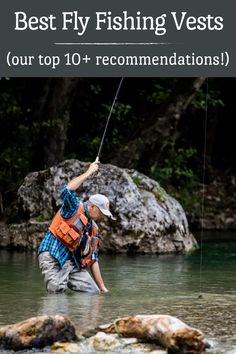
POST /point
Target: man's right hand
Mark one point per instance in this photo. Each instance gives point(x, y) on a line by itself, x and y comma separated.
point(93, 168)
point(77, 181)
point(104, 290)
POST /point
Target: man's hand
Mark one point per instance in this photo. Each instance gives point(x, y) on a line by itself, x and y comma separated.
point(77, 181)
point(93, 168)
point(95, 270)
point(104, 290)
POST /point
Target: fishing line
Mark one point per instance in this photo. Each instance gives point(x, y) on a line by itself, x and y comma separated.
point(108, 120)
point(203, 184)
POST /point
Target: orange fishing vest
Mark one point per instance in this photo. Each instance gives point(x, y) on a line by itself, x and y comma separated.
point(69, 232)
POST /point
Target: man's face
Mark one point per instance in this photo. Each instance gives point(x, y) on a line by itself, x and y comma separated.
point(95, 213)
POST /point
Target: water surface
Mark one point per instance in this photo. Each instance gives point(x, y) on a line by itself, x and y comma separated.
point(200, 289)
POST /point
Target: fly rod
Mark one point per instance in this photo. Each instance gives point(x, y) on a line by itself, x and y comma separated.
point(108, 120)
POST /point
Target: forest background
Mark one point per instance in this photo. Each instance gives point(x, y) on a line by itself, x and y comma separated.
point(166, 128)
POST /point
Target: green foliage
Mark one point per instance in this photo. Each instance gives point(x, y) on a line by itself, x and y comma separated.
point(138, 106)
point(189, 199)
point(176, 169)
point(13, 168)
point(15, 145)
point(96, 89)
point(180, 177)
point(211, 99)
point(160, 194)
point(159, 94)
point(137, 180)
point(45, 217)
point(120, 110)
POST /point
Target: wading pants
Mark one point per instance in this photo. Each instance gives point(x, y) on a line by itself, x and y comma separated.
point(59, 279)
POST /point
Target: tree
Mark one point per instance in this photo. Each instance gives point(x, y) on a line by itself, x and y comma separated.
point(53, 116)
point(160, 128)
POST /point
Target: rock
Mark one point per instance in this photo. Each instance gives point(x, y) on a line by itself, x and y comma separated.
point(146, 348)
point(168, 331)
point(59, 347)
point(37, 332)
point(134, 334)
point(148, 220)
point(103, 341)
point(24, 235)
point(107, 343)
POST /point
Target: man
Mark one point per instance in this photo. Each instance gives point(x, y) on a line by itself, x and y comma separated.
point(72, 242)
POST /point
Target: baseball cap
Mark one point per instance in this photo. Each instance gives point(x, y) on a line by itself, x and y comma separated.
point(102, 202)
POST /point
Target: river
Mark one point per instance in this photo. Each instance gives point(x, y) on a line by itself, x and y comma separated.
point(199, 288)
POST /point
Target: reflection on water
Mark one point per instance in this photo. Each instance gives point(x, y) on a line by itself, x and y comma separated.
point(141, 284)
point(85, 310)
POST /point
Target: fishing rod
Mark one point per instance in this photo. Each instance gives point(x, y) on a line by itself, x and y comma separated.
point(203, 184)
point(108, 120)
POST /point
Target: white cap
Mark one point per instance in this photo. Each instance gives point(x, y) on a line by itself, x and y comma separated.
point(100, 201)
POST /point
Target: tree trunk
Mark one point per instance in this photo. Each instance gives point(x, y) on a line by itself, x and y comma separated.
point(160, 129)
point(54, 117)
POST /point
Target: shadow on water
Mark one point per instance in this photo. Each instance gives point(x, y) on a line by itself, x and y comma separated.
point(167, 284)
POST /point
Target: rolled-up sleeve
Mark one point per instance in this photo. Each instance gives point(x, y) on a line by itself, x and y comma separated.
point(70, 202)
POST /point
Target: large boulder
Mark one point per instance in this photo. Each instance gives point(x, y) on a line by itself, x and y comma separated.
point(37, 332)
point(148, 220)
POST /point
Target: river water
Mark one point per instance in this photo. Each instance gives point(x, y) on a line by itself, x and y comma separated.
point(199, 289)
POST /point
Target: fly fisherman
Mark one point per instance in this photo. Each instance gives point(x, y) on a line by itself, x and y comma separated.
point(72, 242)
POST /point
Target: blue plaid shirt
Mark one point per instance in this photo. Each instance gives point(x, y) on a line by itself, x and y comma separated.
point(50, 243)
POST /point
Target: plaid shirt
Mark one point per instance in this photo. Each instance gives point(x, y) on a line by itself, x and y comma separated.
point(51, 244)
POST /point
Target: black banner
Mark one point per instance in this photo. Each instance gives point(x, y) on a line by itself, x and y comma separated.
point(107, 38)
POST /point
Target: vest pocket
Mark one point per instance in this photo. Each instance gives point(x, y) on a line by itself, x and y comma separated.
point(68, 236)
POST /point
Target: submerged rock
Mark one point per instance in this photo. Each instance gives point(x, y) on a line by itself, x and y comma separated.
point(107, 343)
point(37, 332)
point(103, 341)
point(67, 347)
point(148, 220)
